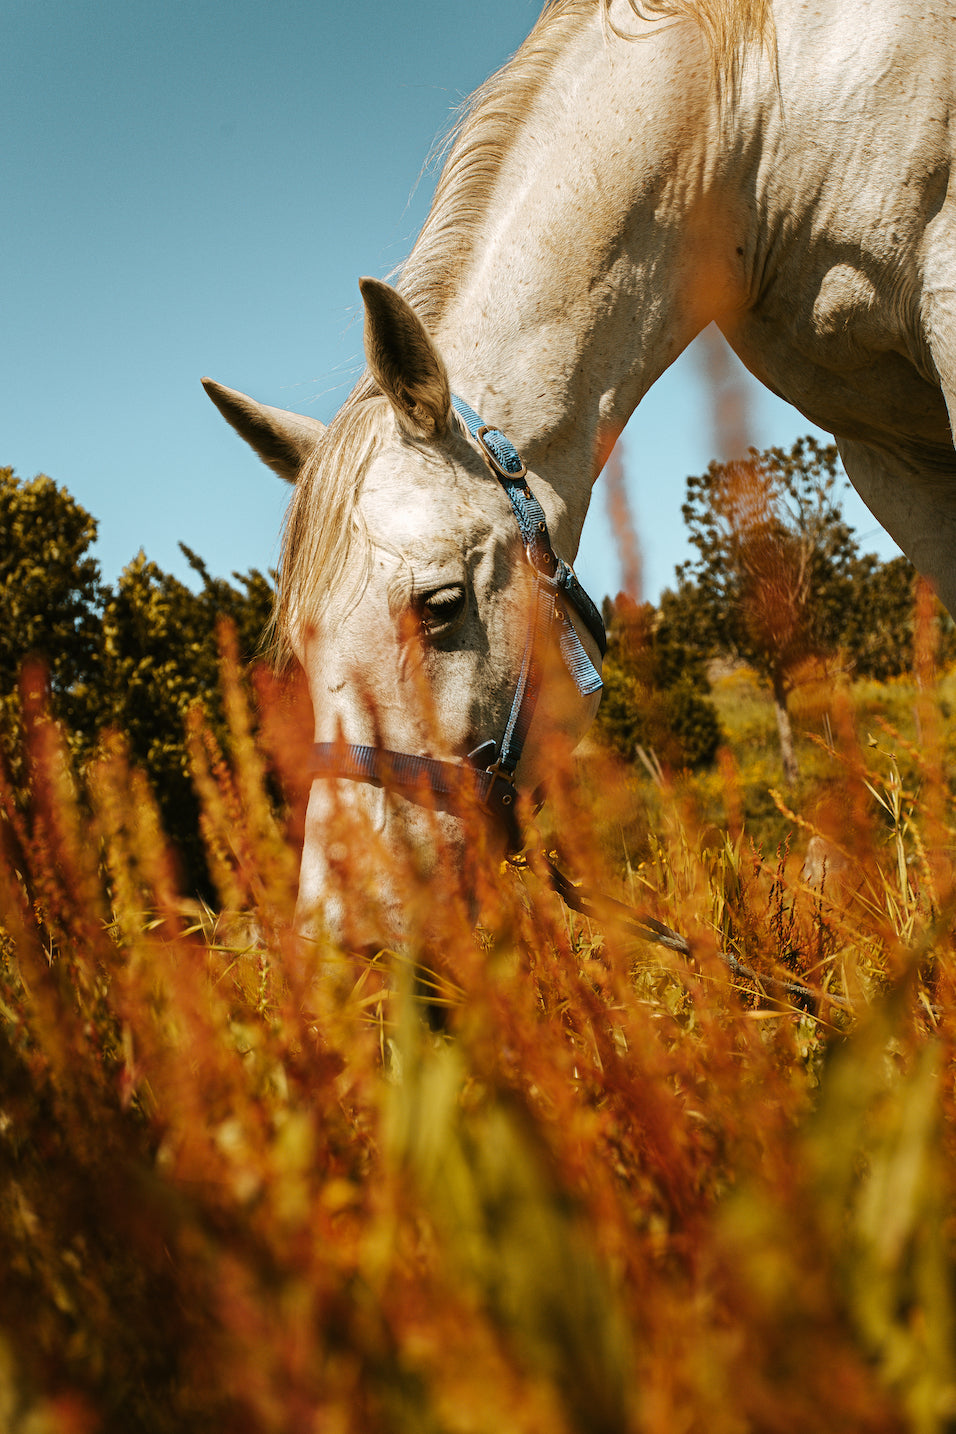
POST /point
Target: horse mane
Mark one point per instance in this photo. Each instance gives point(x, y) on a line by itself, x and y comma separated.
point(485, 128)
point(322, 526)
point(729, 27)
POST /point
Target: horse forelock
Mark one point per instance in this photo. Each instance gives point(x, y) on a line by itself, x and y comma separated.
point(325, 546)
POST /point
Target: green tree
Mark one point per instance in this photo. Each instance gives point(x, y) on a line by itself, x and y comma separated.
point(878, 636)
point(134, 657)
point(160, 655)
point(655, 686)
point(774, 574)
point(51, 599)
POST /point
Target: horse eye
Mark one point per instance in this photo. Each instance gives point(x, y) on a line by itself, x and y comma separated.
point(440, 609)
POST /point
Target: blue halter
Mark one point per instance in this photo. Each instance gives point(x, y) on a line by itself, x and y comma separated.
point(488, 774)
point(505, 463)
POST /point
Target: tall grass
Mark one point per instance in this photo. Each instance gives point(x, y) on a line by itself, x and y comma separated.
point(534, 1175)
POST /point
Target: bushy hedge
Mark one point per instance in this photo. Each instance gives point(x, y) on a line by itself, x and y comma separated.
point(655, 688)
point(133, 657)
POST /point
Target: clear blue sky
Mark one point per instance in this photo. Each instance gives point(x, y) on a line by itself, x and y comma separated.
point(193, 187)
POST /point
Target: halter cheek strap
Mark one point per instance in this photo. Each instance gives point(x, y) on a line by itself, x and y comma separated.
point(504, 461)
point(487, 776)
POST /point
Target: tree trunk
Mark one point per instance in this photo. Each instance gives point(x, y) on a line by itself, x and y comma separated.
point(789, 757)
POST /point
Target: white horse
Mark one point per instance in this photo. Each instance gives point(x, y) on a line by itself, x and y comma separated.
point(636, 171)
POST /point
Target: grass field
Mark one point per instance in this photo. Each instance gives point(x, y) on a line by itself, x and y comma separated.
point(550, 1175)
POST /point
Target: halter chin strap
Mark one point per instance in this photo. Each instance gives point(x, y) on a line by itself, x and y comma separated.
point(487, 776)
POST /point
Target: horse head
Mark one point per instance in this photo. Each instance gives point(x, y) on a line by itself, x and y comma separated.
point(419, 592)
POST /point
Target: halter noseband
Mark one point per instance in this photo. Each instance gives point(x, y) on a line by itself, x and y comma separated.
point(486, 777)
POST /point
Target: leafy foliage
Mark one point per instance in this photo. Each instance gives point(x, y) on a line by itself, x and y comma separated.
point(160, 656)
point(654, 687)
point(774, 566)
point(51, 596)
point(877, 638)
point(779, 580)
point(133, 658)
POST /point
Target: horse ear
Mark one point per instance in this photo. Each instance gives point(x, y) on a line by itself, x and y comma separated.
point(283, 440)
point(404, 362)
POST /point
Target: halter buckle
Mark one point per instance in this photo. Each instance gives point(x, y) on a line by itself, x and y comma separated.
point(522, 472)
point(501, 798)
point(485, 760)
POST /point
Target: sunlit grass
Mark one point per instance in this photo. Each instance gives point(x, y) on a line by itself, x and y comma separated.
point(546, 1174)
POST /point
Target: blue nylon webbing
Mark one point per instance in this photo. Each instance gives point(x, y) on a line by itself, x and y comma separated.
point(534, 534)
point(553, 579)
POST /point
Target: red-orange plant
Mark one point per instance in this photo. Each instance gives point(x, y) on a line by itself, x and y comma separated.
point(536, 1175)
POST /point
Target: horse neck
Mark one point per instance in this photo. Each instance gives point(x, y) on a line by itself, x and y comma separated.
point(602, 252)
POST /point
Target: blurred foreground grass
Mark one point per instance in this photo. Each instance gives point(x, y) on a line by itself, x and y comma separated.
point(544, 1176)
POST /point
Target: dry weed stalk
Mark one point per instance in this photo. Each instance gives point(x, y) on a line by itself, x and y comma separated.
point(538, 1175)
